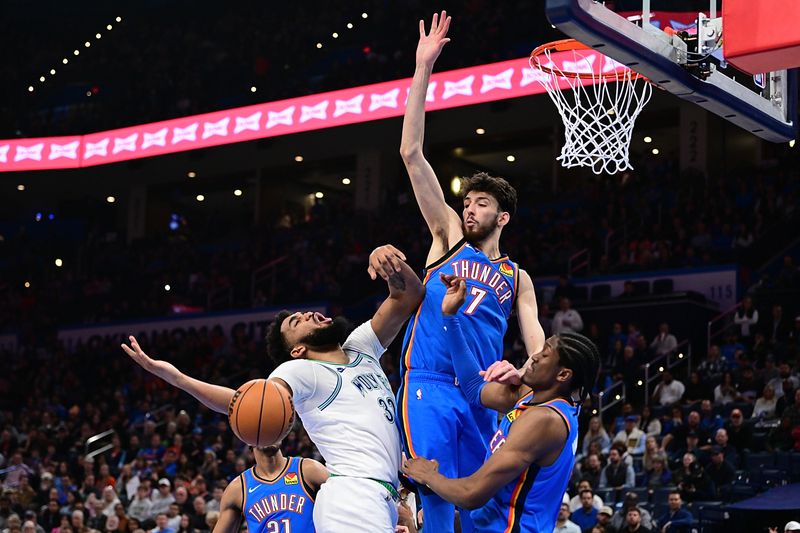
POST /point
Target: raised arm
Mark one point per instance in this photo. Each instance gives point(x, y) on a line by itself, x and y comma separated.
point(443, 222)
point(528, 315)
point(230, 507)
point(535, 437)
point(215, 397)
point(314, 473)
point(498, 396)
point(405, 292)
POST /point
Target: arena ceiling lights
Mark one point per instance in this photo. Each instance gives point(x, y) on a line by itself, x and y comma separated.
point(455, 88)
point(76, 52)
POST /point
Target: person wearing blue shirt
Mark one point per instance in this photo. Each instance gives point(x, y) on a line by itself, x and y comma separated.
point(586, 515)
point(676, 517)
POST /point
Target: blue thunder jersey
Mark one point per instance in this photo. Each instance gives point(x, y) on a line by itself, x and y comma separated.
point(530, 503)
point(282, 505)
point(491, 290)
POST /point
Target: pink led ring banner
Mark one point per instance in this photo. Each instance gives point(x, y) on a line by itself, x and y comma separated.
point(455, 88)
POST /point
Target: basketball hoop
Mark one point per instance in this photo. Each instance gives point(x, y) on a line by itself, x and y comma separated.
point(606, 97)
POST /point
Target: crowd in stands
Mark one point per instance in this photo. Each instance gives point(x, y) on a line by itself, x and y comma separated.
point(104, 278)
point(729, 428)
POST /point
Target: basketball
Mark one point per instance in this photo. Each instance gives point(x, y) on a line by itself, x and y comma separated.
point(261, 413)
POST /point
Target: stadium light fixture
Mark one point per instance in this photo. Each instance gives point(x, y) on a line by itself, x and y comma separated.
point(510, 158)
point(27, 284)
point(319, 45)
point(87, 44)
point(110, 199)
point(480, 131)
point(20, 187)
point(200, 197)
point(76, 52)
point(109, 27)
point(364, 15)
point(349, 25)
point(30, 88)
point(41, 78)
point(648, 139)
point(319, 194)
point(455, 185)
point(52, 72)
point(65, 61)
point(335, 35)
point(167, 287)
point(97, 36)
point(298, 158)
point(345, 181)
point(59, 263)
point(191, 174)
point(118, 19)
point(237, 192)
point(655, 151)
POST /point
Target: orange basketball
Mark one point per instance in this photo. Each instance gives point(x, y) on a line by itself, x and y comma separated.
point(261, 413)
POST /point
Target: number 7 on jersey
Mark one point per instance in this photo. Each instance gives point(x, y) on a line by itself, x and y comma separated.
point(479, 295)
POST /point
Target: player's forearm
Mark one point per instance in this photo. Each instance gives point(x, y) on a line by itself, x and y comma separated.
point(461, 492)
point(465, 362)
point(406, 287)
point(215, 397)
point(414, 118)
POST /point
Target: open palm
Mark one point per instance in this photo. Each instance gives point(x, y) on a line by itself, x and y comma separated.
point(430, 45)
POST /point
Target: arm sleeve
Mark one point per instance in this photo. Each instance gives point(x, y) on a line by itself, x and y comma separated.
point(300, 376)
point(640, 446)
point(364, 340)
point(630, 477)
point(465, 362)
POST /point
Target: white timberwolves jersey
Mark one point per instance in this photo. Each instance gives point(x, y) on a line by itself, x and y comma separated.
point(348, 410)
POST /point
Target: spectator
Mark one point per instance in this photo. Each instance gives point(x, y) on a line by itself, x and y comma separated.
point(112, 524)
point(740, 434)
point(679, 433)
point(566, 319)
point(633, 522)
point(109, 501)
point(648, 423)
point(765, 406)
point(792, 412)
point(575, 502)
point(720, 472)
point(213, 503)
point(713, 366)
point(728, 451)
point(182, 499)
point(665, 342)
point(777, 327)
point(211, 520)
point(710, 422)
point(161, 524)
point(632, 437)
point(675, 517)
point(173, 517)
point(617, 475)
point(691, 479)
point(785, 375)
point(50, 516)
point(162, 497)
point(746, 318)
point(596, 433)
point(585, 516)
point(628, 290)
point(589, 470)
point(565, 289)
point(604, 518)
point(651, 453)
point(630, 501)
point(198, 516)
point(658, 475)
point(563, 523)
point(725, 392)
point(617, 335)
point(633, 335)
point(669, 391)
point(696, 389)
point(141, 508)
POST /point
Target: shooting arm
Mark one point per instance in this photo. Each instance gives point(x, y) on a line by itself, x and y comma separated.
point(528, 315)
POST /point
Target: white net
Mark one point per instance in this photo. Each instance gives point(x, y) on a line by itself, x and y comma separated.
point(598, 113)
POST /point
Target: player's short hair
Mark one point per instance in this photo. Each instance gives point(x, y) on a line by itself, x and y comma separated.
point(579, 354)
point(500, 189)
point(277, 348)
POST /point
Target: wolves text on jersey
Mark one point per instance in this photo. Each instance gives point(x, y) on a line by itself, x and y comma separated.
point(370, 381)
point(485, 274)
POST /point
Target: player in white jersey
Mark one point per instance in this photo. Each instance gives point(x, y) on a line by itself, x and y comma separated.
point(341, 395)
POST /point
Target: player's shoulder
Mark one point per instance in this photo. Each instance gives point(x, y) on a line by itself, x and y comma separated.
point(364, 340)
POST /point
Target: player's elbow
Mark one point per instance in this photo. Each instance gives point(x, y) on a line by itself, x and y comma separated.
point(473, 500)
point(409, 151)
point(413, 295)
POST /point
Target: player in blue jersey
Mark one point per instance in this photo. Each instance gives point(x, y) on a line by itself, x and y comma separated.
point(274, 496)
point(435, 418)
point(520, 486)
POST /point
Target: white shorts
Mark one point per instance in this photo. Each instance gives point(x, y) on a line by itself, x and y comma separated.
point(345, 504)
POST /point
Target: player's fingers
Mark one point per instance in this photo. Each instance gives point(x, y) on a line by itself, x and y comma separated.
point(443, 42)
point(446, 25)
point(371, 272)
point(128, 350)
point(443, 22)
point(396, 252)
point(435, 23)
point(421, 28)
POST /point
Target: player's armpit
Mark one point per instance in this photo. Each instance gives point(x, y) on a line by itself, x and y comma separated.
point(528, 315)
point(314, 473)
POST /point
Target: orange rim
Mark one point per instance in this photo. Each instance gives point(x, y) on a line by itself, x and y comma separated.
point(566, 45)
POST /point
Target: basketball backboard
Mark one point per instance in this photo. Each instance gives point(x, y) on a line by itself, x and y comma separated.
point(687, 61)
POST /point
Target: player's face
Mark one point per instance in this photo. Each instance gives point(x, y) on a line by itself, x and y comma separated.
point(300, 325)
point(541, 368)
point(481, 215)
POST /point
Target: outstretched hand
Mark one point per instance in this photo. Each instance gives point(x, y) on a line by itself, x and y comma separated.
point(430, 45)
point(162, 369)
point(456, 294)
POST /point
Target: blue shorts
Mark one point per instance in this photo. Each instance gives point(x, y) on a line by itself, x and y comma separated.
point(437, 422)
